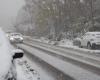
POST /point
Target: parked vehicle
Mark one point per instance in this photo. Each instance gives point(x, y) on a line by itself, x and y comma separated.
point(91, 40)
point(7, 58)
point(16, 37)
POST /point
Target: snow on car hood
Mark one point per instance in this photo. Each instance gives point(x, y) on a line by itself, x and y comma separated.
point(5, 54)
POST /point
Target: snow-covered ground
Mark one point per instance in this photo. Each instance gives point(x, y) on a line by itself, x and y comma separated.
point(66, 43)
point(45, 72)
point(25, 72)
point(69, 44)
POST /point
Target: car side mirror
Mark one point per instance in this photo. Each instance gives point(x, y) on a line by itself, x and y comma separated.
point(18, 53)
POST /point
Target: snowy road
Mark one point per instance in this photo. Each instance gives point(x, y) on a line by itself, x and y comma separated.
point(85, 60)
point(51, 62)
point(68, 68)
point(45, 71)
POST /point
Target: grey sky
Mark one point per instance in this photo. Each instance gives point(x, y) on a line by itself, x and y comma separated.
point(9, 10)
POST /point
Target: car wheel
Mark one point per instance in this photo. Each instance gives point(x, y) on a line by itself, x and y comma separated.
point(89, 46)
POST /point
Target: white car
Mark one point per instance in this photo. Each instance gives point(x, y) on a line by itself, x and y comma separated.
point(8, 55)
point(91, 40)
point(16, 37)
